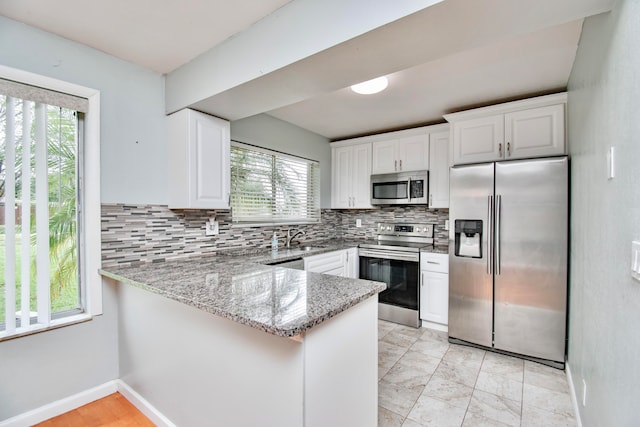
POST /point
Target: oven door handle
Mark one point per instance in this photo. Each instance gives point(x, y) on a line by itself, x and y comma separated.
point(386, 255)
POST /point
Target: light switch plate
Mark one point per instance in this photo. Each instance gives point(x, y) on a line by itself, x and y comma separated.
point(358, 222)
point(611, 163)
point(635, 260)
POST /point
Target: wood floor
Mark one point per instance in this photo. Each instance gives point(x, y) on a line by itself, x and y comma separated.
point(113, 411)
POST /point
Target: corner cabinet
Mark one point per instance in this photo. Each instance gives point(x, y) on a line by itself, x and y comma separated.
point(198, 171)
point(351, 176)
point(343, 263)
point(434, 290)
point(515, 130)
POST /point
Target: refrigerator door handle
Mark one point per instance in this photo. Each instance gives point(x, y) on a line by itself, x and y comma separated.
point(490, 237)
point(498, 226)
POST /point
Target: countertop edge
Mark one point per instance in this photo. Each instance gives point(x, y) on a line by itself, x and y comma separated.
point(281, 332)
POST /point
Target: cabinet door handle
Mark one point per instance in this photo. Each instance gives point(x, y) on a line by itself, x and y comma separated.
point(508, 149)
point(433, 262)
point(395, 165)
point(500, 149)
point(400, 164)
point(421, 279)
point(430, 199)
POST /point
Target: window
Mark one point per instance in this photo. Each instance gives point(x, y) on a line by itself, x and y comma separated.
point(270, 187)
point(42, 211)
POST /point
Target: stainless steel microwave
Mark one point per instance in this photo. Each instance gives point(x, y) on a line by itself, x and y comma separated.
point(404, 188)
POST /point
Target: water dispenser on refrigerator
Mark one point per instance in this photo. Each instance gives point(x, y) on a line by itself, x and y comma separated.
point(468, 238)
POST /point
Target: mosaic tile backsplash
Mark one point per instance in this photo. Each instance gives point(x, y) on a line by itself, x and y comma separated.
point(153, 233)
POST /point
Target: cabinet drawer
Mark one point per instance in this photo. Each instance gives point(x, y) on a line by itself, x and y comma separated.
point(438, 263)
point(325, 262)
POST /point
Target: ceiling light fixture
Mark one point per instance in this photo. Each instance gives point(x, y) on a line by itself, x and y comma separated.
point(371, 86)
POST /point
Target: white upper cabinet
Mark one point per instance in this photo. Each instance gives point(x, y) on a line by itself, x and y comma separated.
point(478, 140)
point(353, 161)
point(515, 130)
point(401, 154)
point(351, 176)
point(439, 170)
point(385, 156)
point(535, 132)
point(198, 170)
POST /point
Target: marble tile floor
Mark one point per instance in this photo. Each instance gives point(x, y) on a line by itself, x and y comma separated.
point(425, 381)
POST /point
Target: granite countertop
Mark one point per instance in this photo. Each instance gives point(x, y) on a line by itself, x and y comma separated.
point(436, 249)
point(240, 287)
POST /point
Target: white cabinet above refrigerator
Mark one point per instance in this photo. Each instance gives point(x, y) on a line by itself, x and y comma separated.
point(515, 130)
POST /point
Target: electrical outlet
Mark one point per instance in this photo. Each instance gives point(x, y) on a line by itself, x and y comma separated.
point(358, 222)
point(584, 393)
point(446, 224)
point(211, 227)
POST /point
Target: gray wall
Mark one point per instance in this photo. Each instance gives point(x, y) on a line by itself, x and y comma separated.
point(268, 132)
point(45, 367)
point(604, 106)
point(133, 128)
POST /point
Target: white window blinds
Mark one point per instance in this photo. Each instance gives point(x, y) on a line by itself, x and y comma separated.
point(271, 187)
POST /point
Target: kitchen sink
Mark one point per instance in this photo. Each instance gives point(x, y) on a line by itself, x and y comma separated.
point(307, 248)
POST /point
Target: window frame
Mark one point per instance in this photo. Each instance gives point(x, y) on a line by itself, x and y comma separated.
point(89, 201)
point(292, 221)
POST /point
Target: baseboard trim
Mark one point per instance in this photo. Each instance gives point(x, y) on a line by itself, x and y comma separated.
point(574, 396)
point(70, 403)
point(61, 406)
point(436, 326)
point(143, 405)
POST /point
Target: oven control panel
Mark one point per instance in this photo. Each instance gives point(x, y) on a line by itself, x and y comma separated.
point(405, 229)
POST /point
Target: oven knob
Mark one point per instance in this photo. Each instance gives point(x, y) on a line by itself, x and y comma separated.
point(418, 229)
point(388, 228)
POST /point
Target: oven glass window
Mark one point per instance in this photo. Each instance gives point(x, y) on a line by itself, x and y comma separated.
point(401, 277)
point(390, 190)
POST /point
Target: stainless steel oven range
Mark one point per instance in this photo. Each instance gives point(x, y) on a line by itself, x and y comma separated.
point(394, 258)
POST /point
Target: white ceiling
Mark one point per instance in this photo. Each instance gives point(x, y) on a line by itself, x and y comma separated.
point(157, 34)
point(444, 59)
point(534, 63)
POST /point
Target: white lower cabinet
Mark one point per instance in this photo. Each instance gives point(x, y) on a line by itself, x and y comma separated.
point(353, 263)
point(342, 263)
point(434, 290)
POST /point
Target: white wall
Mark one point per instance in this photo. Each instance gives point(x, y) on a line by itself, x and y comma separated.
point(133, 131)
point(604, 108)
point(268, 132)
point(45, 367)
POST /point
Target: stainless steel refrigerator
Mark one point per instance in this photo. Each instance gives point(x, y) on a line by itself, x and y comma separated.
point(508, 256)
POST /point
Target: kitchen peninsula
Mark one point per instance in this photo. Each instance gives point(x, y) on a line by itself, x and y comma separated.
point(283, 347)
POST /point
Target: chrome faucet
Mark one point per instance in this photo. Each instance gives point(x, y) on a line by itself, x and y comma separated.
point(290, 236)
